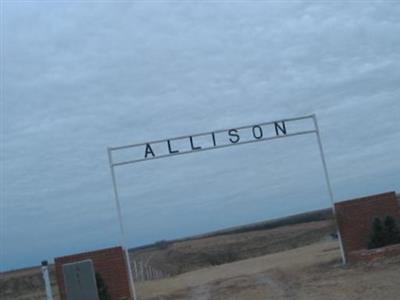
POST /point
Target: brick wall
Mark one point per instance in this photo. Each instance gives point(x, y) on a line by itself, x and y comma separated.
point(109, 263)
point(355, 218)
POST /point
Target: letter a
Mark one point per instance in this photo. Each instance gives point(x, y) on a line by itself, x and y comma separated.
point(149, 150)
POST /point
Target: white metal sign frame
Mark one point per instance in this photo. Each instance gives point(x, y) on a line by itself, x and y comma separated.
point(258, 130)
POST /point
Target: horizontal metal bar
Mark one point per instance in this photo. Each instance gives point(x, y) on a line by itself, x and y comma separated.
point(209, 132)
point(211, 148)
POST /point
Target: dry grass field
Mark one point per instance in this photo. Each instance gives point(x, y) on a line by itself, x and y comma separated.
point(189, 255)
point(289, 262)
point(25, 284)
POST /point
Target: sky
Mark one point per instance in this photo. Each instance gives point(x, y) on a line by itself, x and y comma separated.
point(78, 77)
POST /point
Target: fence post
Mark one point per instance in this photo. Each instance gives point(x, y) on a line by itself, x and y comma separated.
point(46, 278)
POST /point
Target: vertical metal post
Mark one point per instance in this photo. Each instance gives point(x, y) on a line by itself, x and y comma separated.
point(141, 271)
point(46, 278)
point(329, 186)
point(121, 226)
point(136, 270)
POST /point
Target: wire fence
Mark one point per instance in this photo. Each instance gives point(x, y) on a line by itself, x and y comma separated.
point(143, 271)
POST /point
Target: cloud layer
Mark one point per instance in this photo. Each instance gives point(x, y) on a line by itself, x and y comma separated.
point(78, 77)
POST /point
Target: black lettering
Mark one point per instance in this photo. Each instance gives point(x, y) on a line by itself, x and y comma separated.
point(170, 149)
point(234, 133)
point(213, 137)
point(148, 151)
point(193, 146)
point(279, 128)
point(260, 132)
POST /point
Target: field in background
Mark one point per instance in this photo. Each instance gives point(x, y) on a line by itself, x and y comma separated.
point(175, 258)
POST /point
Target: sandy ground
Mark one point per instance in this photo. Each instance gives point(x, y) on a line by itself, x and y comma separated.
point(310, 273)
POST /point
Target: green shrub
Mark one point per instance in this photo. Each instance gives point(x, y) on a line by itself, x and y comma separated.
point(102, 288)
point(392, 233)
point(384, 234)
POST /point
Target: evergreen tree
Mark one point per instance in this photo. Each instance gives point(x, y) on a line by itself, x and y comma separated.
point(377, 237)
point(391, 231)
point(384, 234)
point(102, 288)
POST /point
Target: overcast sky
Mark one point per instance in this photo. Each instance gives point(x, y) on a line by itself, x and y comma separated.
point(78, 77)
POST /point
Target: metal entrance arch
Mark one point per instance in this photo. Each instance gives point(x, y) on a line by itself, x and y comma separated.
point(217, 139)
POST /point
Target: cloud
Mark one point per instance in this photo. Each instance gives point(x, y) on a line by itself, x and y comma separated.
point(79, 77)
